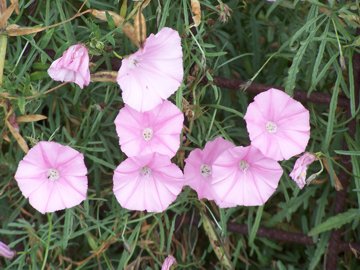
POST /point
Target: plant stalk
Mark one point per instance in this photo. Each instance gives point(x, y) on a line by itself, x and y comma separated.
point(3, 45)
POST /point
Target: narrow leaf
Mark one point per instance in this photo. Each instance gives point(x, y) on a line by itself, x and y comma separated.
point(336, 222)
point(30, 118)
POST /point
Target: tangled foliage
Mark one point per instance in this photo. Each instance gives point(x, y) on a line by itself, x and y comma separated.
point(231, 51)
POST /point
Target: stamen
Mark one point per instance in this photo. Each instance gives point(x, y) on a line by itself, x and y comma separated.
point(147, 134)
point(53, 174)
point(271, 127)
point(145, 171)
point(205, 170)
point(243, 165)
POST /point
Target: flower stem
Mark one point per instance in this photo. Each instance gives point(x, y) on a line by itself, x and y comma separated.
point(3, 45)
point(48, 241)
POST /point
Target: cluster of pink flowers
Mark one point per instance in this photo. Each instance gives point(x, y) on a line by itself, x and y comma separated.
point(278, 127)
point(54, 176)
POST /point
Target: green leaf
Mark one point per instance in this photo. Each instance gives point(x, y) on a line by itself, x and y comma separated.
point(331, 118)
point(101, 161)
point(347, 153)
point(290, 207)
point(256, 225)
point(336, 222)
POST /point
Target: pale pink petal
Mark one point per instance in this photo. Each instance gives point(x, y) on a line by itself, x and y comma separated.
point(154, 72)
point(6, 252)
point(72, 66)
point(169, 261)
point(58, 182)
point(39, 198)
point(278, 125)
point(298, 174)
point(157, 130)
point(73, 188)
point(244, 176)
point(198, 167)
point(149, 182)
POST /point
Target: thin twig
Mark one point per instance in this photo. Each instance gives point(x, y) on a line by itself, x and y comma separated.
point(256, 88)
point(273, 234)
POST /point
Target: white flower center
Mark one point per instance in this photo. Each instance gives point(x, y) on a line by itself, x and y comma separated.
point(133, 62)
point(271, 127)
point(243, 165)
point(145, 171)
point(147, 134)
point(205, 170)
point(53, 174)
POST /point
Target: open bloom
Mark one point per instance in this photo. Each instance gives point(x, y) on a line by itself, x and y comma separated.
point(244, 176)
point(157, 130)
point(148, 182)
point(154, 72)
point(6, 252)
point(198, 168)
point(169, 261)
point(298, 174)
point(72, 66)
point(53, 177)
point(278, 125)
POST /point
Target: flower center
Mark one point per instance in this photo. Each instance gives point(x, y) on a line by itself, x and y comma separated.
point(147, 134)
point(271, 127)
point(243, 165)
point(53, 174)
point(133, 62)
point(205, 170)
point(145, 171)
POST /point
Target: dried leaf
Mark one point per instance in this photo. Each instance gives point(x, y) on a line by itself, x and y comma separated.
point(119, 21)
point(104, 76)
point(338, 185)
point(16, 4)
point(3, 5)
point(4, 16)
point(140, 27)
point(30, 118)
point(20, 140)
point(12, 120)
point(101, 15)
point(6, 137)
point(196, 10)
point(14, 30)
point(215, 242)
point(143, 4)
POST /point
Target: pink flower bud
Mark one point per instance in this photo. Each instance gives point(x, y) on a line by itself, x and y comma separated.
point(169, 261)
point(298, 173)
point(6, 252)
point(72, 66)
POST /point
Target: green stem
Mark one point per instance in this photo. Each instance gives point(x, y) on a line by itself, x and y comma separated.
point(3, 45)
point(48, 241)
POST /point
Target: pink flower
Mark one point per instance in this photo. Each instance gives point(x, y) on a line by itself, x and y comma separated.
point(6, 252)
point(298, 173)
point(52, 176)
point(72, 66)
point(169, 261)
point(154, 72)
point(244, 176)
point(148, 182)
point(278, 125)
point(157, 130)
point(198, 168)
